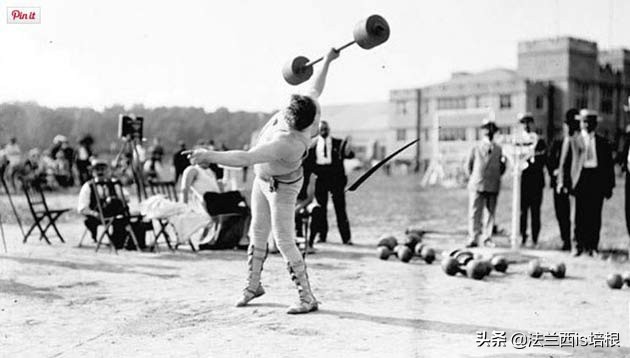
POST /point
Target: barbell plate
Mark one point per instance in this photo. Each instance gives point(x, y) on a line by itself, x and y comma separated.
point(371, 32)
point(295, 71)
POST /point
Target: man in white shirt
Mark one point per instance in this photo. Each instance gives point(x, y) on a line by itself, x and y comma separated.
point(325, 159)
point(587, 169)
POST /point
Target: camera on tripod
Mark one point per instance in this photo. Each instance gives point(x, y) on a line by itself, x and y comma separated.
point(130, 126)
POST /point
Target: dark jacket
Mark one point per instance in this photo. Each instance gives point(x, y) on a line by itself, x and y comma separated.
point(623, 159)
point(553, 161)
point(533, 176)
point(334, 170)
point(574, 161)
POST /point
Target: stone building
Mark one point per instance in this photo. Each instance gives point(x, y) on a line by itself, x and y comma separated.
point(552, 75)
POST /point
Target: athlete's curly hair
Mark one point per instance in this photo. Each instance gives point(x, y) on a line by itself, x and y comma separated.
point(300, 112)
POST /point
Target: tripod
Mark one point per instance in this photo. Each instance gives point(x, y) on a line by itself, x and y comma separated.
point(15, 213)
point(129, 149)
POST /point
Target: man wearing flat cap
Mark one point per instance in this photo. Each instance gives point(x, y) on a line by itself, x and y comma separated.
point(561, 200)
point(587, 170)
point(532, 163)
point(485, 165)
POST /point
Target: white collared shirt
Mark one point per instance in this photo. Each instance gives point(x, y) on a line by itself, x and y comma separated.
point(322, 150)
point(590, 150)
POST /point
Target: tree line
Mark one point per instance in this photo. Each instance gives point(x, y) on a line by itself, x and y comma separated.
point(36, 126)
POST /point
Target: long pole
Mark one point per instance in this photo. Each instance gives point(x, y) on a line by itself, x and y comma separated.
point(17, 216)
point(516, 194)
point(4, 243)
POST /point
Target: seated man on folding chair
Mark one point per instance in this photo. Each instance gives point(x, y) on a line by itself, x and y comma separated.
point(87, 202)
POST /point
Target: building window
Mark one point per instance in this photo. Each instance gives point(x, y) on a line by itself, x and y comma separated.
point(451, 103)
point(540, 102)
point(477, 101)
point(401, 107)
point(606, 105)
point(452, 134)
point(505, 101)
point(505, 130)
point(581, 95)
point(425, 134)
point(401, 134)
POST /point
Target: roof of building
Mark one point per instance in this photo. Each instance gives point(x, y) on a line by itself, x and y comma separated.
point(357, 116)
point(494, 74)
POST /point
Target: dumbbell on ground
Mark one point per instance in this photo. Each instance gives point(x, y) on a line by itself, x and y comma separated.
point(536, 270)
point(496, 263)
point(616, 281)
point(411, 240)
point(401, 251)
point(473, 268)
point(388, 241)
point(424, 252)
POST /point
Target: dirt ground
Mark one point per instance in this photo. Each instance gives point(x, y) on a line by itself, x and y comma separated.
point(64, 301)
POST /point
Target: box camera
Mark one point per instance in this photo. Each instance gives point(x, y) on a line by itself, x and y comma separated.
point(130, 126)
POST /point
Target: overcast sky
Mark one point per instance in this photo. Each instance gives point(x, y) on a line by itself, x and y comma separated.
point(230, 53)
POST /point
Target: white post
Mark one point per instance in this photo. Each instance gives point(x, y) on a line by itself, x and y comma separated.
point(516, 194)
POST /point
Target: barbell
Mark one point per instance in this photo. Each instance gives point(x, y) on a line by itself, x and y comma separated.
point(368, 33)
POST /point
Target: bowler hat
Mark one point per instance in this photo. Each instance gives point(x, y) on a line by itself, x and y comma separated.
point(525, 117)
point(96, 162)
point(569, 116)
point(587, 114)
point(489, 124)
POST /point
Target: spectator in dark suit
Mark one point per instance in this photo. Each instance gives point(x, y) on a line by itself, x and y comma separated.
point(587, 170)
point(561, 200)
point(180, 161)
point(532, 176)
point(325, 159)
point(625, 168)
point(486, 165)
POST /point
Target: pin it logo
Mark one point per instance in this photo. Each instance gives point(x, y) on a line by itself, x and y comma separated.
point(24, 15)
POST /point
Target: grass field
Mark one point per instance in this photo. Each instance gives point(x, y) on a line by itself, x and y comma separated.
point(390, 204)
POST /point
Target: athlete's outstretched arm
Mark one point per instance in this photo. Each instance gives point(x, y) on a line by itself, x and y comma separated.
point(320, 77)
point(240, 158)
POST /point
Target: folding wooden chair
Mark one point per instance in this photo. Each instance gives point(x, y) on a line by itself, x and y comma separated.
point(107, 192)
point(40, 211)
point(168, 190)
point(222, 206)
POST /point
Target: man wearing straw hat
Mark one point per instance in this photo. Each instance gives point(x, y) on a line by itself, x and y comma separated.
point(486, 165)
point(587, 170)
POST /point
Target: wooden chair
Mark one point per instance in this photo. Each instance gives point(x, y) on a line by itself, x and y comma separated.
point(168, 190)
point(222, 206)
point(40, 211)
point(107, 192)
